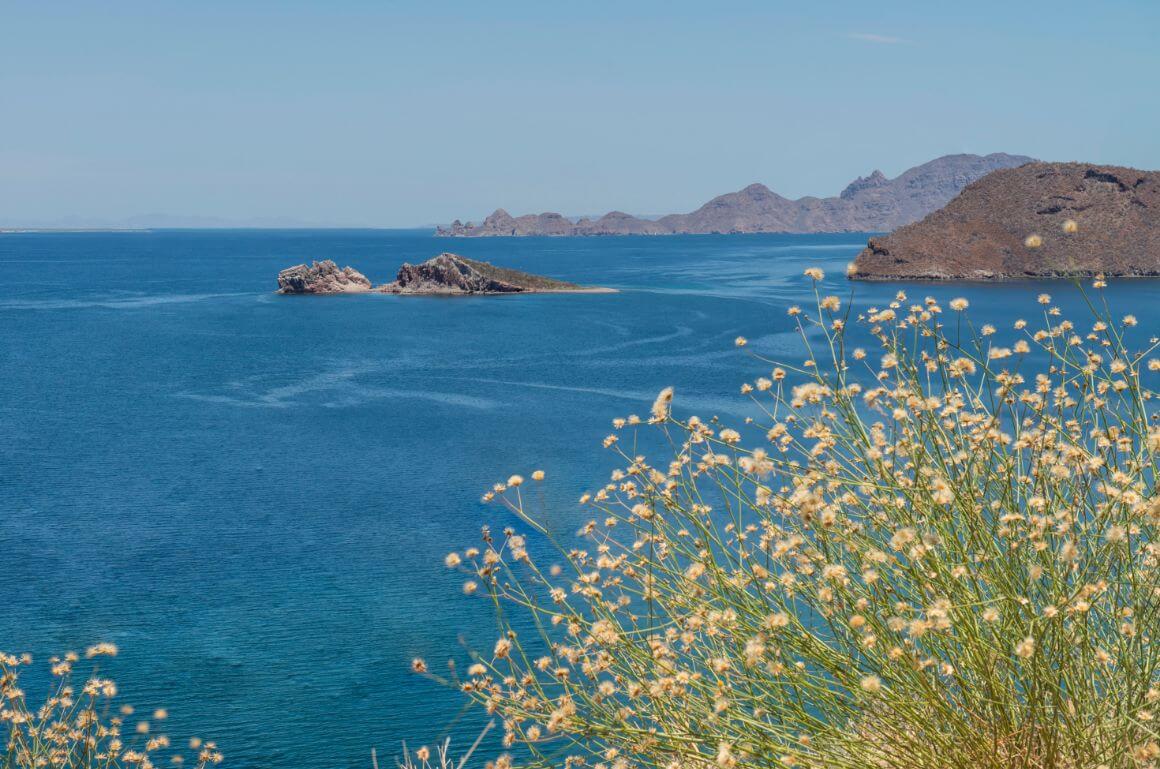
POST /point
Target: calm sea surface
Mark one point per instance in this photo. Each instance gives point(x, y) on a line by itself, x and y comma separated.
point(252, 494)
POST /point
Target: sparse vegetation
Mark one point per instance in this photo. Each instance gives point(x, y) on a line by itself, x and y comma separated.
point(422, 758)
point(79, 726)
point(519, 278)
point(936, 552)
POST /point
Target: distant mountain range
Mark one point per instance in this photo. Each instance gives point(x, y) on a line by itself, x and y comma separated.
point(868, 204)
point(160, 222)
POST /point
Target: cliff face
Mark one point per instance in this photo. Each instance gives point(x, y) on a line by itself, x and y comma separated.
point(1089, 219)
point(867, 204)
point(323, 277)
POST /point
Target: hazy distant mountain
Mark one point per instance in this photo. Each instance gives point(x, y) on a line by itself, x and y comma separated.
point(167, 221)
point(870, 203)
point(159, 222)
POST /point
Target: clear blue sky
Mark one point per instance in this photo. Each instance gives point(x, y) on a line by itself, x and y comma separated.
point(406, 113)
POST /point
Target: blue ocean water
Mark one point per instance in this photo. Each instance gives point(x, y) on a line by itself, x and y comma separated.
point(252, 494)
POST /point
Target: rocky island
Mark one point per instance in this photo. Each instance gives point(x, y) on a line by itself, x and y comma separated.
point(868, 204)
point(323, 277)
point(444, 275)
point(1041, 220)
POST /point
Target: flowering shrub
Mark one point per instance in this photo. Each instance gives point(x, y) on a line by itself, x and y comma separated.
point(442, 758)
point(73, 728)
point(937, 552)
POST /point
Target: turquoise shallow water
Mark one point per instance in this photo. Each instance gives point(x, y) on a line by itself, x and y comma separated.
point(252, 494)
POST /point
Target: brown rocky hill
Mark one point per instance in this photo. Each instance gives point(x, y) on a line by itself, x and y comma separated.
point(1038, 220)
point(868, 203)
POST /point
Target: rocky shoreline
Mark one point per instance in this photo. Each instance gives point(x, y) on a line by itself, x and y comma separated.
point(444, 275)
point(987, 277)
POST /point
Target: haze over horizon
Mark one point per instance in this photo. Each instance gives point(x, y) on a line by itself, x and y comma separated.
point(358, 113)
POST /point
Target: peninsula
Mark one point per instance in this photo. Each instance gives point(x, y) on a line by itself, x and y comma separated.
point(445, 275)
point(1040, 220)
point(872, 203)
